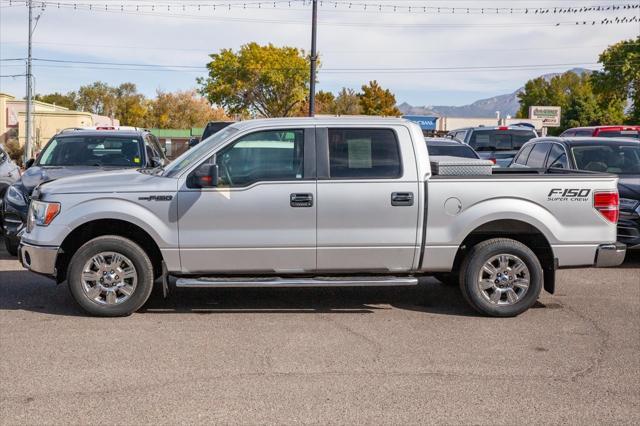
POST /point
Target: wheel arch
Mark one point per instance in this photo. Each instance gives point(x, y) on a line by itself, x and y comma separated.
point(100, 227)
point(517, 230)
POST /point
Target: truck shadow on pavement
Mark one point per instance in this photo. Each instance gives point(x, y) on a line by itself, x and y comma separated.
point(23, 290)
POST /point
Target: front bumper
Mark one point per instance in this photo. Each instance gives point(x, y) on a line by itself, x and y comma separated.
point(38, 259)
point(610, 255)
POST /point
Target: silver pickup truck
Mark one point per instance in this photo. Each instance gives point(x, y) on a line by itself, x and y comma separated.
point(318, 202)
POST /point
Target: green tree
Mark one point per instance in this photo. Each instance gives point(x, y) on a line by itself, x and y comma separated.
point(619, 81)
point(67, 101)
point(266, 80)
point(130, 107)
point(347, 102)
point(374, 100)
point(97, 98)
point(581, 105)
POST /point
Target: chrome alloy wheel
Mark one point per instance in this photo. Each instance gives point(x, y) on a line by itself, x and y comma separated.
point(503, 279)
point(109, 278)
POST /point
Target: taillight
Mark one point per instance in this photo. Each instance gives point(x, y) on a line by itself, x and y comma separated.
point(503, 128)
point(493, 160)
point(608, 204)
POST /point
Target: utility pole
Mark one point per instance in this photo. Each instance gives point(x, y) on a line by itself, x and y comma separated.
point(314, 59)
point(28, 130)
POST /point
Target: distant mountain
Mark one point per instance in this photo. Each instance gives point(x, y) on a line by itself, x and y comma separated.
point(484, 108)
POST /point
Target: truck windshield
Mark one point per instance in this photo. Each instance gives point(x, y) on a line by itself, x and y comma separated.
point(500, 140)
point(116, 151)
point(618, 159)
point(195, 153)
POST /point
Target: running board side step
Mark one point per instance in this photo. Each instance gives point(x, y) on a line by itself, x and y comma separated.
point(220, 282)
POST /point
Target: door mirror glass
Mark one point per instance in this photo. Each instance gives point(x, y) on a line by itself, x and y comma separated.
point(29, 163)
point(205, 176)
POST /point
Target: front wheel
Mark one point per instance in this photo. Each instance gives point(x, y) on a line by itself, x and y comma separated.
point(501, 277)
point(110, 276)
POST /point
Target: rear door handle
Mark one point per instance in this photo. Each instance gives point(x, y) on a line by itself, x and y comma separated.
point(301, 200)
point(402, 199)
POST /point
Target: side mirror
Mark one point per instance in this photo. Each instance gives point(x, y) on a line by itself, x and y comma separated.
point(29, 163)
point(156, 162)
point(193, 142)
point(205, 176)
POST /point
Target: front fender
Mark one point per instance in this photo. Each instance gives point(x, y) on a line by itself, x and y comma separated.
point(158, 219)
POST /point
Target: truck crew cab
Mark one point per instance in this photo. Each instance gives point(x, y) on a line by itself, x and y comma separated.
point(317, 202)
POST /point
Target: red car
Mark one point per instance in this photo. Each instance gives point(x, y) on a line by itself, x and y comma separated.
point(604, 132)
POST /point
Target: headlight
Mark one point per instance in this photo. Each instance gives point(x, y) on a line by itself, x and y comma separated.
point(41, 213)
point(15, 196)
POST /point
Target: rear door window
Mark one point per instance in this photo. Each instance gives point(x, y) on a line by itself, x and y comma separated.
point(538, 155)
point(364, 154)
point(500, 140)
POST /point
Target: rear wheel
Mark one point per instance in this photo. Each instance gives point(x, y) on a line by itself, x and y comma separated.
point(110, 276)
point(501, 277)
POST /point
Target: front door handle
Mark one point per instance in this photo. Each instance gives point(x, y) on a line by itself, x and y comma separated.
point(402, 199)
point(301, 200)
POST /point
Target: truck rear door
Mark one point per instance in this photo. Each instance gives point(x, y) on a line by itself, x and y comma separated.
point(367, 199)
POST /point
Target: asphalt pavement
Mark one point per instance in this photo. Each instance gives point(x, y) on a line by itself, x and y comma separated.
point(347, 356)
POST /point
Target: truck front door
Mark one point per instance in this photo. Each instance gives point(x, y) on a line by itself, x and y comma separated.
point(261, 216)
point(368, 202)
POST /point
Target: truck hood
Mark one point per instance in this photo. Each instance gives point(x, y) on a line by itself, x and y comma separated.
point(34, 176)
point(113, 181)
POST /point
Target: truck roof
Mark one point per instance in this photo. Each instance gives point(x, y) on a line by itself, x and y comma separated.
point(322, 120)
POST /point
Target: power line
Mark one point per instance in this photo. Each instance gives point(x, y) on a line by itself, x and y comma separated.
point(208, 51)
point(140, 66)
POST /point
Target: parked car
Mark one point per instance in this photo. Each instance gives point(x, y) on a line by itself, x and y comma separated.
point(76, 152)
point(9, 172)
point(616, 156)
point(498, 144)
point(604, 132)
point(449, 147)
point(325, 201)
point(211, 128)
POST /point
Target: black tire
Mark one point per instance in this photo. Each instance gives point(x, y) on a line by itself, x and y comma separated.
point(11, 245)
point(470, 277)
point(125, 247)
point(448, 278)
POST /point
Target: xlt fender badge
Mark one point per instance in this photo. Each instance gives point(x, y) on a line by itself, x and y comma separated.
point(569, 194)
point(157, 198)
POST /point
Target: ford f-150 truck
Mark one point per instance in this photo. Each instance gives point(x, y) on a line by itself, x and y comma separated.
point(318, 202)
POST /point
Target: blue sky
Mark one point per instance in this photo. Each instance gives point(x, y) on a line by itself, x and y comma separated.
point(350, 38)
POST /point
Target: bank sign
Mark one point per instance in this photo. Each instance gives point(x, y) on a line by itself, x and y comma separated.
point(550, 115)
point(425, 122)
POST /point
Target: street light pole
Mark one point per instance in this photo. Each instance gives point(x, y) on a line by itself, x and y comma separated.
point(28, 130)
point(314, 59)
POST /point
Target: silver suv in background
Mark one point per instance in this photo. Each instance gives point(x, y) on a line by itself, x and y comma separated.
point(9, 172)
point(498, 144)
